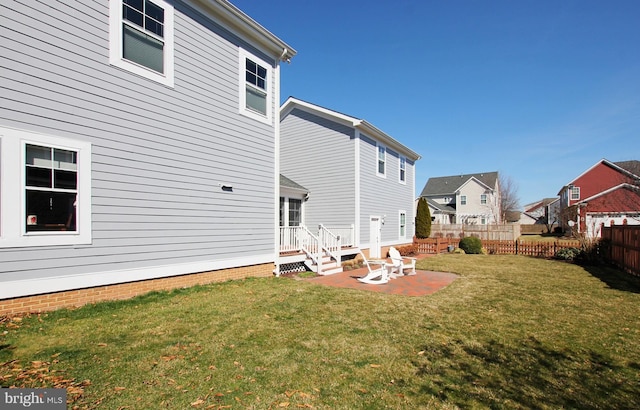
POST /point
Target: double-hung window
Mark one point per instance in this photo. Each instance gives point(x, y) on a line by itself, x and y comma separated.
point(255, 87)
point(575, 193)
point(141, 38)
point(382, 160)
point(403, 170)
point(45, 190)
point(295, 212)
point(463, 199)
point(483, 199)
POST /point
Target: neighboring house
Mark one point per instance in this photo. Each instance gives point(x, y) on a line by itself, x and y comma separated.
point(361, 181)
point(545, 211)
point(138, 146)
point(472, 199)
point(606, 194)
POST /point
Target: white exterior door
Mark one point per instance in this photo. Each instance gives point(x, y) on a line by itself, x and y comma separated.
point(374, 237)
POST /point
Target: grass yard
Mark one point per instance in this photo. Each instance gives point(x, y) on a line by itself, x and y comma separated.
point(511, 333)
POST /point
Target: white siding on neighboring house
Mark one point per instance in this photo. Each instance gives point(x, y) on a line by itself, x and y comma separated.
point(159, 153)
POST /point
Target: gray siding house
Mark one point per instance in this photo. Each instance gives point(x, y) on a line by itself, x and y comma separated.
point(360, 181)
point(138, 141)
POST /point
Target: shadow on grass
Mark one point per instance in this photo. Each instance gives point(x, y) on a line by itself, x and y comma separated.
point(527, 376)
point(615, 278)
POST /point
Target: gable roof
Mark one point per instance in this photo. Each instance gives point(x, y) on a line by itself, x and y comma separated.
point(629, 168)
point(359, 124)
point(288, 183)
point(440, 207)
point(451, 184)
point(538, 204)
point(624, 185)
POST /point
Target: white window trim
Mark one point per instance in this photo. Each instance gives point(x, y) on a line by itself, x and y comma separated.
point(486, 199)
point(400, 235)
point(463, 199)
point(243, 55)
point(115, 44)
point(378, 173)
point(12, 190)
point(575, 189)
point(402, 181)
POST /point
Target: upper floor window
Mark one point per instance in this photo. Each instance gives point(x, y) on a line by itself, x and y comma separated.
point(141, 38)
point(403, 169)
point(382, 160)
point(255, 88)
point(47, 199)
point(575, 193)
point(483, 199)
point(463, 199)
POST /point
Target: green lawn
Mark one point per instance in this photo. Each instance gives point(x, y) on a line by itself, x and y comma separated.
point(511, 333)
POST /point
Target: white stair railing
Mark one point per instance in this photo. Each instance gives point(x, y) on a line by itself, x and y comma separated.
point(330, 242)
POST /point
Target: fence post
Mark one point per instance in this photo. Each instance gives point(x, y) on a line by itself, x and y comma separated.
point(516, 241)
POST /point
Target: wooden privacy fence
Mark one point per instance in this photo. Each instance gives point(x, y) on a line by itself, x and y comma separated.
point(528, 248)
point(623, 247)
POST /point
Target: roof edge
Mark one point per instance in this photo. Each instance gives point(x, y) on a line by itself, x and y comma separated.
point(247, 26)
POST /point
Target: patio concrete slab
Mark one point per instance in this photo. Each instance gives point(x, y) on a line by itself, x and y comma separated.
point(421, 284)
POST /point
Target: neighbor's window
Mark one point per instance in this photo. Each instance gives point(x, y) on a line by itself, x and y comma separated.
point(403, 169)
point(403, 224)
point(142, 38)
point(575, 193)
point(483, 199)
point(51, 188)
point(255, 95)
point(382, 160)
point(463, 199)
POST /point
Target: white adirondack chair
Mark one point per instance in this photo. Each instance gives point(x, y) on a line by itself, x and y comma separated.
point(376, 276)
point(400, 263)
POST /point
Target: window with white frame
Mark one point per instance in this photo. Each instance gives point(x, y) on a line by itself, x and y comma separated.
point(463, 199)
point(382, 160)
point(483, 199)
point(403, 169)
point(575, 193)
point(403, 224)
point(255, 87)
point(141, 38)
point(45, 190)
point(295, 212)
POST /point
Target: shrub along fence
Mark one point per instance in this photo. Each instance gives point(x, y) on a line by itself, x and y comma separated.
point(529, 248)
point(623, 246)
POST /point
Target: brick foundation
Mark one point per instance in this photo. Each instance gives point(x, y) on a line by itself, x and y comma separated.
point(79, 297)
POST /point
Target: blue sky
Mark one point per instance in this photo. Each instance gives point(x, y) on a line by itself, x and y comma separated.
point(537, 90)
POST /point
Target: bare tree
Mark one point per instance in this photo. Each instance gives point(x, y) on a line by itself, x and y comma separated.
point(509, 200)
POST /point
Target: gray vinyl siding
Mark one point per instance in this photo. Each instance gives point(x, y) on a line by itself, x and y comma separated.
point(319, 154)
point(385, 196)
point(158, 154)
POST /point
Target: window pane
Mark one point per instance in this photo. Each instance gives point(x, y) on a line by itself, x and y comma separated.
point(134, 16)
point(251, 66)
point(281, 211)
point(65, 179)
point(153, 11)
point(256, 100)
point(261, 83)
point(135, 4)
point(153, 26)
point(38, 156)
point(262, 72)
point(40, 177)
point(50, 211)
point(251, 78)
point(142, 49)
point(63, 159)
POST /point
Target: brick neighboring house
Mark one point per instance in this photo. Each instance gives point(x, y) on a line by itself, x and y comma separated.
point(606, 194)
point(472, 199)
